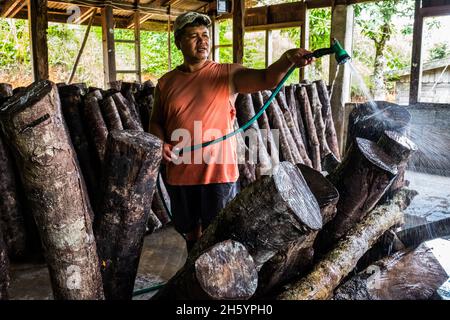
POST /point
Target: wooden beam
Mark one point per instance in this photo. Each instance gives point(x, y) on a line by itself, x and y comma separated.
point(137, 46)
point(304, 38)
point(37, 20)
point(109, 54)
point(238, 30)
point(269, 48)
point(435, 11)
point(86, 13)
point(12, 7)
point(416, 56)
point(169, 47)
point(215, 40)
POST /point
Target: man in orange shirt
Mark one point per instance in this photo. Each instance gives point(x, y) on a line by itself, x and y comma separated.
point(195, 102)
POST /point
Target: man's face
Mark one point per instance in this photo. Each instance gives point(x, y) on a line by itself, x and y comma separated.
point(194, 43)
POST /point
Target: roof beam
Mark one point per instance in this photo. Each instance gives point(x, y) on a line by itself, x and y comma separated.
point(12, 7)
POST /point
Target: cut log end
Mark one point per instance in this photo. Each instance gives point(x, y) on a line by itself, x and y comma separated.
point(397, 145)
point(227, 271)
point(28, 97)
point(138, 139)
point(377, 156)
point(301, 201)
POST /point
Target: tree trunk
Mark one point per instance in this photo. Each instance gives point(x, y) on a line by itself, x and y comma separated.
point(311, 134)
point(225, 271)
point(327, 273)
point(297, 257)
point(127, 112)
point(131, 167)
point(379, 65)
point(361, 180)
point(55, 190)
point(244, 112)
point(72, 107)
point(298, 140)
point(263, 122)
point(330, 130)
point(4, 270)
point(407, 275)
point(96, 126)
point(111, 114)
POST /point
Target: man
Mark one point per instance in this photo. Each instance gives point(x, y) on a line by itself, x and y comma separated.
point(193, 100)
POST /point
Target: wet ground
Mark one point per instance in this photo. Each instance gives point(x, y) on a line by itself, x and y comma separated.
point(164, 251)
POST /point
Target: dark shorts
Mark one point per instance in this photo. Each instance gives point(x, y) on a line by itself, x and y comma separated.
point(198, 204)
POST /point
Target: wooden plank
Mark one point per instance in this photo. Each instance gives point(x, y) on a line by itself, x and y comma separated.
point(435, 11)
point(238, 30)
point(215, 40)
point(11, 8)
point(109, 55)
point(304, 38)
point(137, 48)
point(416, 56)
point(86, 13)
point(269, 48)
point(37, 19)
point(273, 26)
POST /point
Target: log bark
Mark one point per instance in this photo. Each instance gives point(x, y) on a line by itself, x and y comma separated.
point(4, 269)
point(293, 128)
point(406, 275)
point(33, 123)
point(288, 148)
point(129, 90)
point(131, 167)
point(300, 121)
point(297, 257)
point(12, 224)
point(247, 170)
point(328, 272)
point(263, 123)
point(153, 223)
point(311, 134)
point(330, 130)
point(6, 91)
point(225, 271)
point(361, 180)
point(72, 108)
point(158, 206)
point(96, 93)
point(144, 101)
point(111, 114)
point(127, 112)
point(98, 131)
point(257, 147)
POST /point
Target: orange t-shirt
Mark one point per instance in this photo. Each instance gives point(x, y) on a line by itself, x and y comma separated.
point(196, 108)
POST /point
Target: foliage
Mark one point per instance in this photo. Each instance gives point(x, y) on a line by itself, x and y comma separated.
point(439, 51)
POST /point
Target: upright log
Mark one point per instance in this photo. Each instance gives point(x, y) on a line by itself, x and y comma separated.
point(4, 269)
point(98, 131)
point(127, 112)
point(131, 167)
point(361, 180)
point(33, 123)
point(72, 108)
point(111, 114)
point(311, 134)
point(300, 122)
point(330, 130)
point(144, 102)
point(225, 271)
point(6, 91)
point(329, 271)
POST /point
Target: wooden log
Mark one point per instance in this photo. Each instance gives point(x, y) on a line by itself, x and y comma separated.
point(267, 215)
point(129, 90)
point(247, 170)
point(131, 167)
point(6, 91)
point(288, 149)
point(72, 108)
point(330, 130)
point(361, 180)
point(225, 271)
point(265, 130)
point(33, 123)
point(256, 145)
point(95, 94)
point(144, 101)
point(153, 223)
point(4, 269)
point(311, 134)
point(128, 117)
point(329, 271)
point(281, 99)
point(300, 121)
point(111, 114)
point(297, 257)
point(12, 224)
point(159, 204)
point(316, 110)
point(98, 131)
point(291, 102)
point(406, 275)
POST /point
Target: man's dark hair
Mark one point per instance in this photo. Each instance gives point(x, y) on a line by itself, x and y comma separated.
point(196, 23)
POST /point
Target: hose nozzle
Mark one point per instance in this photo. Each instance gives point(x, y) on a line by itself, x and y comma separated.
point(339, 53)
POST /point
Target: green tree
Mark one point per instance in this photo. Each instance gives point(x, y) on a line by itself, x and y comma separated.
point(439, 51)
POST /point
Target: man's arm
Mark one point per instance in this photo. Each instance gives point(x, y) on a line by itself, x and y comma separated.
point(246, 80)
point(156, 126)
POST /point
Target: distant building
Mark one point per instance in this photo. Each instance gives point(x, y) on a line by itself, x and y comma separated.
point(435, 83)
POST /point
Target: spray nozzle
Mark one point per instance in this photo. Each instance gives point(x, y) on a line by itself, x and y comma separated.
point(339, 53)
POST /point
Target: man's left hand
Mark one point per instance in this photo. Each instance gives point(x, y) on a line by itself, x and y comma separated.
point(296, 56)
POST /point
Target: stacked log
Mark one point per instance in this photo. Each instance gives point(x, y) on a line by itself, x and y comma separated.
point(34, 126)
point(132, 162)
point(4, 269)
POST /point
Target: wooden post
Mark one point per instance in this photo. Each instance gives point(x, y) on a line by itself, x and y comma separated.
point(304, 38)
point(238, 31)
point(137, 45)
point(342, 30)
point(269, 48)
point(416, 56)
point(109, 54)
point(169, 47)
point(37, 19)
point(215, 40)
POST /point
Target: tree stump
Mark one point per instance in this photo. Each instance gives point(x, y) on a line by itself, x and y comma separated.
point(131, 167)
point(225, 271)
point(98, 131)
point(361, 180)
point(33, 123)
